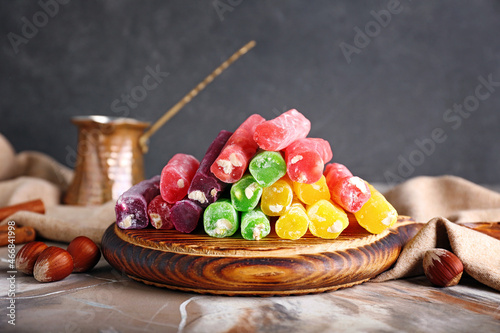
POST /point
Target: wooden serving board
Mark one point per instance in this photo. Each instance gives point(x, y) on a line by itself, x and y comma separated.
point(272, 266)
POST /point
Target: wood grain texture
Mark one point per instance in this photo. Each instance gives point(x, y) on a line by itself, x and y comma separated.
point(489, 228)
point(272, 266)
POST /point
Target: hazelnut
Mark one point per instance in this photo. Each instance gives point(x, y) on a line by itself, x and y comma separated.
point(27, 256)
point(442, 268)
point(53, 264)
point(85, 253)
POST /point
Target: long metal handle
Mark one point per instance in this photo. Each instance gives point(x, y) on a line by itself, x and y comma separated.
point(144, 139)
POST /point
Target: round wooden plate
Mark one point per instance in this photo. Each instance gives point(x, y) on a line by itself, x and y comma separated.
point(272, 266)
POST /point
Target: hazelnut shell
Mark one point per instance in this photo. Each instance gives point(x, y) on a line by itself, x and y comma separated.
point(53, 264)
point(85, 253)
point(442, 267)
point(27, 256)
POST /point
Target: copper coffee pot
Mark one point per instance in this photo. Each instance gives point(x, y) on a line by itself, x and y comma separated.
point(109, 159)
point(110, 150)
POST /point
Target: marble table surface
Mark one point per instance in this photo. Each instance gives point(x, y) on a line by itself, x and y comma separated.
point(106, 301)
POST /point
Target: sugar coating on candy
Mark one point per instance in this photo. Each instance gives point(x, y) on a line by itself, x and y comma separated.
point(276, 134)
point(159, 213)
point(377, 214)
point(310, 193)
point(254, 225)
point(131, 207)
point(327, 220)
point(277, 197)
point(306, 158)
point(336, 171)
point(185, 215)
point(267, 167)
point(293, 224)
point(220, 219)
point(321, 146)
point(176, 177)
point(245, 193)
point(350, 192)
point(205, 188)
point(233, 160)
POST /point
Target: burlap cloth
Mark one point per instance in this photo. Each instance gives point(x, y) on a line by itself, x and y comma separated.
point(446, 202)
point(31, 175)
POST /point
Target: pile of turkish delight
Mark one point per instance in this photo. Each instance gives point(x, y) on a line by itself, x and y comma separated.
point(267, 174)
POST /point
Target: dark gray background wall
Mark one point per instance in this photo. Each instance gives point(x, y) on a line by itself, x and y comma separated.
point(388, 99)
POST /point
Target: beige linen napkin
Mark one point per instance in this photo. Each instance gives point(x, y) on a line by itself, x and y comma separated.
point(457, 199)
point(461, 201)
point(64, 223)
point(32, 175)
